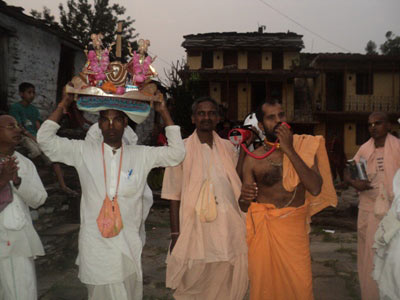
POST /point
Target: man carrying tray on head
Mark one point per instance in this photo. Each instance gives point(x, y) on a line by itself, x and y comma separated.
point(110, 261)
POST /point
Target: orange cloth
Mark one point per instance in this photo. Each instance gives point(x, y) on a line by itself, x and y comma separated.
point(279, 253)
point(207, 251)
point(308, 147)
point(367, 223)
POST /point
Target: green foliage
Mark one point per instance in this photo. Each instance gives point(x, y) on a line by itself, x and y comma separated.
point(371, 48)
point(390, 47)
point(392, 44)
point(81, 18)
point(45, 16)
point(184, 91)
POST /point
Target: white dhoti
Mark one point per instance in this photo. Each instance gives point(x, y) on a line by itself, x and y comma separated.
point(17, 278)
point(129, 289)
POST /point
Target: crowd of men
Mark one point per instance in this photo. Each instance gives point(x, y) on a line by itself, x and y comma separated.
point(237, 220)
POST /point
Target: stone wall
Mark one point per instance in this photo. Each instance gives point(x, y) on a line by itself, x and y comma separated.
point(34, 56)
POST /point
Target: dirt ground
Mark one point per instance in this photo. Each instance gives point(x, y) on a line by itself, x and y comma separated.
point(333, 251)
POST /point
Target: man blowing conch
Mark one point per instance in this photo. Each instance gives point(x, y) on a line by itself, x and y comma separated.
point(208, 258)
point(111, 266)
point(288, 187)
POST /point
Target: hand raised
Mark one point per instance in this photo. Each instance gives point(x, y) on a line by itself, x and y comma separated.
point(66, 100)
point(160, 106)
point(285, 136)
point(9, 170)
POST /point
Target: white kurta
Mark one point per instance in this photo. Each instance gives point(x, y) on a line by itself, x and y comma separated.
point(110, 260)
point(17, 235)
point(19, 242)
point(387, 244)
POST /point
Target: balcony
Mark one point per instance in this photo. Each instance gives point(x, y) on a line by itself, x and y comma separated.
point(369, 103)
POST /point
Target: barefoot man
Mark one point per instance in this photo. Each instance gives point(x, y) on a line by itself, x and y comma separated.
point(288, 186)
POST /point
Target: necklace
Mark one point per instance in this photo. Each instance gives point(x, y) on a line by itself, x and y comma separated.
point(266, 145)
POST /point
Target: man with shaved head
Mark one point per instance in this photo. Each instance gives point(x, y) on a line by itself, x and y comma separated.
point(20, 188)
point(382, 154)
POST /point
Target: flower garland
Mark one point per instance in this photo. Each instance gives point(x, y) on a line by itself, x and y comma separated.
point(99, 66)
point(140, 69)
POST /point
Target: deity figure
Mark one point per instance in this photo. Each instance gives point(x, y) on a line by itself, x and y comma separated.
point(140, 66)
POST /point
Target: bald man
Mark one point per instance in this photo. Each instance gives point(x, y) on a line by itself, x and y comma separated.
point(382, 154)
point(20, 188)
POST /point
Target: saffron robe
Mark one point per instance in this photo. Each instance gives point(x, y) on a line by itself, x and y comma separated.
point(209, 260)
point(279, 253)
point(367, 223)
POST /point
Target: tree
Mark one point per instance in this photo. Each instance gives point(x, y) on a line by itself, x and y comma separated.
point(80, 19)
point(390, 47)
point(45, 16)
point(183, 91)
point(371, 48)
point(392, 44)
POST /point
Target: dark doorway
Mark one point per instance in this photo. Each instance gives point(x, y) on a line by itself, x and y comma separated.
point(229, 95)
point(254, 60)
point(230, 59)
point(65, 69)
point(207, 59)
point(303, 128)
point(274, 90)
point(277, 60)
point(258, 94)
point(334, 91)
point(3, 70)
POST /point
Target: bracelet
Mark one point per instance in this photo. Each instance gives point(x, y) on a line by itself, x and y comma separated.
point(174, 233)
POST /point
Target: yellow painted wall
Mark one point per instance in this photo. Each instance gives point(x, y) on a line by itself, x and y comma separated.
point(266, 60)
point(244, 100)
point(215, 91)
point(350, 80)
point(218, 59)
point(319, 129)
point(384, 84)
point(194, 62)
point(290, 58)
point(242, 60)
point(350, 147)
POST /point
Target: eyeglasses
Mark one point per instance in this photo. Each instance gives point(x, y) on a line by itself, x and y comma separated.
point(11, 126)
point(377, 123)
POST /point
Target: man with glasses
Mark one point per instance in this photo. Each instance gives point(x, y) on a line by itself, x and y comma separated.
point(20, 188)
point(208, 253)
point(382, 154)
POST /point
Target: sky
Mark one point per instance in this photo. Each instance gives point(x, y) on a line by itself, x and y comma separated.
point(326, 25)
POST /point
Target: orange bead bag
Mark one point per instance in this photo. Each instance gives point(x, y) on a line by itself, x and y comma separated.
point(109, 220)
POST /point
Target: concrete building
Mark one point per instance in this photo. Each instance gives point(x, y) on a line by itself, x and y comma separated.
point(349, 87)
point(240, 70)
point(34, 52)
point(327, 94)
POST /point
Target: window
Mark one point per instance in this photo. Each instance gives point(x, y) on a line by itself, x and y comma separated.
point(362, 133)
point(207, 60)
point(277, 60)
point(364, 84)
point(254, 60)
point(230, 58)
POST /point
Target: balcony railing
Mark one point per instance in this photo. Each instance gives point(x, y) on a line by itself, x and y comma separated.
point(369, 103)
